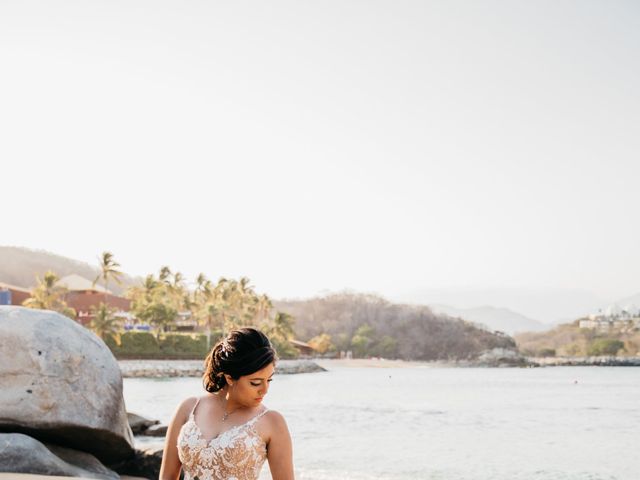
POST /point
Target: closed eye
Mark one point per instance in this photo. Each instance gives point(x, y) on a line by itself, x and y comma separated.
point(257, 384)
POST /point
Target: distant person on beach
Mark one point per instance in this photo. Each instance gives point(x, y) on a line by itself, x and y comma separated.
point(228, 433)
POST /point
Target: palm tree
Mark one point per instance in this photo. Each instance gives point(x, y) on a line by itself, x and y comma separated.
point(165, 273)
point(263, 308)
point(151, 304)
point(202, 305)
point(108, 271)
point(280, 332)
point(104, 323)
point(48, 295)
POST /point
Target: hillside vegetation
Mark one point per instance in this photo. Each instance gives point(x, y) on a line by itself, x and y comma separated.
point(366, 325)
point(369, 325)
point(571, 340)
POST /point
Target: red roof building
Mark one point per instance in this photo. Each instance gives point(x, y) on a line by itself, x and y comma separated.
point(83, 296)
point(14, 295)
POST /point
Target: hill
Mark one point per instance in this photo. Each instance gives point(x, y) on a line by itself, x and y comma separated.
point(20, 266)
point(493, 318)
point(372, 326)
point(571, 340)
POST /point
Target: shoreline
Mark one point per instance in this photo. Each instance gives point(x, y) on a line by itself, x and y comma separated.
point(532, 362)
point(194, 368)
point(603, 361)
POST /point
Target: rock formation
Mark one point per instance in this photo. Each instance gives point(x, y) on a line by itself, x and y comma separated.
point(22, 454)
point(61, 385)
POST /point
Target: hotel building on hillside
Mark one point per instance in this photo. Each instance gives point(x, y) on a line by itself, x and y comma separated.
point(613, 317)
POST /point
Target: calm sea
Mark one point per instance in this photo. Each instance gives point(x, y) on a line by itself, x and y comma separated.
point(561, 423)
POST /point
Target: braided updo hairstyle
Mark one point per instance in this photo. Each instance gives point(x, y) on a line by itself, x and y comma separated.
point(243, 352)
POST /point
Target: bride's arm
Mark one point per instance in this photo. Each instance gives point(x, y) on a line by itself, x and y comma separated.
point(279, 449)
point(170, 467)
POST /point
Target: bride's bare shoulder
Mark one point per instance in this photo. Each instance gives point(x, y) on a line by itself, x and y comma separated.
point(275, 421)
point(185, 408)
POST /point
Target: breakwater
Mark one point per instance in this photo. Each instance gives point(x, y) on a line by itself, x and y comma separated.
point(601, 361)
point(193, 368)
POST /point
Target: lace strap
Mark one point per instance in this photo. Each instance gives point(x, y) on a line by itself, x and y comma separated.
point(258, 416)
point(193, 410)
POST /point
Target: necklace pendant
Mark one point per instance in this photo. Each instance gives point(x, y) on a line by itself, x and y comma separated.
point(225, 415)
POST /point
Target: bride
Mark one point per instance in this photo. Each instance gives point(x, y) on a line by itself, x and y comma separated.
point(228, 433)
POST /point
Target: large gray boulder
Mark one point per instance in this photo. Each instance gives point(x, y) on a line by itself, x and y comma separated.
point(22, 454)
point(60, 383)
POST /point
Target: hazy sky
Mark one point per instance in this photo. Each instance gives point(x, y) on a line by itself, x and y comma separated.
point(321, 145)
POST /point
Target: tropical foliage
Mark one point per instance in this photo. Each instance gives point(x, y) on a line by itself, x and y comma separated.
point(161, 301)
point(104, 322)
point(49, 295)
point(154, 302)
point(322, 343)
point(135, 344)
point(108, 271)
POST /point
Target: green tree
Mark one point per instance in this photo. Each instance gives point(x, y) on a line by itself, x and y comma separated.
point(263, 309)
point(203, 306)
point(48, 295)
point(362, 340)
point(322, 343)
point(104, 323)
point(605, 346)
point(280, 332)
point(386, 347)
point(152, 303)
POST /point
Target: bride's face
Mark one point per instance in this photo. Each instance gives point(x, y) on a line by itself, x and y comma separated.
point(250, 390)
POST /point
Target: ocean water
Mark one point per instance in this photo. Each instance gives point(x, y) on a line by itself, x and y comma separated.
point(561, 423)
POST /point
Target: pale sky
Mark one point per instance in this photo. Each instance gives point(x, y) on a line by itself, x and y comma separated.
point(320, 145)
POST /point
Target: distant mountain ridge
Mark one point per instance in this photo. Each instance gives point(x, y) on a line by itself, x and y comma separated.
point(21, 266)
point(494, 318)
point(549, 305)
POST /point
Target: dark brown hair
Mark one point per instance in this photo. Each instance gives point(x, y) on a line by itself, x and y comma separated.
point(243, 352)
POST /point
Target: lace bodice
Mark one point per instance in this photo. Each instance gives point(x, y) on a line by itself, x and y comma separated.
point(236, 454)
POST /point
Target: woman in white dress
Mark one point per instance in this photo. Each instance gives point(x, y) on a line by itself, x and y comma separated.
point(228, 433)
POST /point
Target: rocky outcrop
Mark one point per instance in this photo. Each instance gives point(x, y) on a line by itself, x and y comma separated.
point(500, 357)
point(22, 454)
point(146, 427)
point(156, 431)
point(61, 384)
point(288, 367)
point(139, 424)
